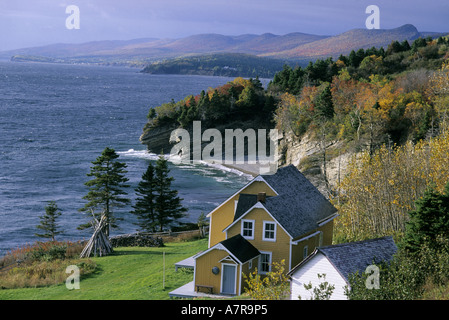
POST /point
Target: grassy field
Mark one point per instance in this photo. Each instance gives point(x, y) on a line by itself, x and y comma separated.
point(131, 273)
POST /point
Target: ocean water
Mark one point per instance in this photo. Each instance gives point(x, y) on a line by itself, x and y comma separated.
point(56, 119)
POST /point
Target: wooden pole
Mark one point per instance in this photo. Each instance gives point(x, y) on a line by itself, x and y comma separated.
point(163, 272)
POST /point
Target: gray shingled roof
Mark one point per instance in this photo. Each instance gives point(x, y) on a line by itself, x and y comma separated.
point(351, 257)
point(300, 205)
point(246, 201)
point(241, 248)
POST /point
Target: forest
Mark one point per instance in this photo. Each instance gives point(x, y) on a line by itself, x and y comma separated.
point(388, 107)
point(219, 64)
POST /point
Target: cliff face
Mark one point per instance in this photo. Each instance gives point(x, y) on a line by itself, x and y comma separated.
point(307, 155)
point(157, 139)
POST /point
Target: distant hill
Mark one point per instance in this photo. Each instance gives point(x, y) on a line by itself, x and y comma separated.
point(298, 47)
point(156, 49)
point(351, 40)
point(219, 64)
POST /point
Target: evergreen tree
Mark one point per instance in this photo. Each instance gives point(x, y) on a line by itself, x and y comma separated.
point(324, 108)
point(429, 221)
point(48, 221)
point(106, 188)
point(144, 208)
point(168, 207)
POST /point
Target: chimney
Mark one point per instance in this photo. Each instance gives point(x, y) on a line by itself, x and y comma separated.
point(261, 196)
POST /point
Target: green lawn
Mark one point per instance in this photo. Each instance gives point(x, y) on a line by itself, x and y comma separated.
point(131, 273)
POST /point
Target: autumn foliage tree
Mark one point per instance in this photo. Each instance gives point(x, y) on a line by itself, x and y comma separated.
point(379, 190)
point(273, 286)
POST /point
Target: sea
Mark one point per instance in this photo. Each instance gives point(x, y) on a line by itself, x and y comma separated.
point(55, 119)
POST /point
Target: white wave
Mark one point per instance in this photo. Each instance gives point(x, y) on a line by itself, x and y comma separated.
point(202, 166)
point(141, 154)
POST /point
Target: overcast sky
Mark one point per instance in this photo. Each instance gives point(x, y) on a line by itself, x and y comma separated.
point(26, 23)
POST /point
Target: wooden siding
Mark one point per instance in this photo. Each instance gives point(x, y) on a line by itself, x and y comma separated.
point(203, 269)
point(246, 271)
point(308, 273)
point(224, 215)
point(280, 248)
point(312, 243)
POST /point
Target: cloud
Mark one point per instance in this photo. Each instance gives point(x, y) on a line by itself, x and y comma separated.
point(30, 22)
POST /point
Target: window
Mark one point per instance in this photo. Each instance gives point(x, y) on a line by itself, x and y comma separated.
point(265, 262)
point(305, 252)
point(269, 231)
point(321, 239)
point(248, 229)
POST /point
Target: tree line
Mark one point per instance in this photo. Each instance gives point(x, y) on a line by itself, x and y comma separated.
point(157, 205)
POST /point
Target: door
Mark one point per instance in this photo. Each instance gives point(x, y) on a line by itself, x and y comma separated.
point(228, 278)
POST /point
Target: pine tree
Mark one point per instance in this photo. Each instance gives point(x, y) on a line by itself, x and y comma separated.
point(48, 221)
point(168, 207)
point(144, 208)
point(429, 221)
point(324, 106)
point(106, 188)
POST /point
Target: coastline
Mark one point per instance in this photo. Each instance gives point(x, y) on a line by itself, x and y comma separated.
point(252, 170)
point(240, 169)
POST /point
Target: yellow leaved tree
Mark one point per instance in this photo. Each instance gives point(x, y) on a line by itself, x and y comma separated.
point(379, 190)
point(272, 286)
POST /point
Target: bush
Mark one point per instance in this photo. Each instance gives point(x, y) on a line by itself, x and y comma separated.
point(42, 264)
point(136, 240)
point(43, 273)
point(273, 286)
point(42, 251)
point(408, 276)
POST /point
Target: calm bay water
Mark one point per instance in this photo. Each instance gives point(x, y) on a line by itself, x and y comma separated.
point(56, 119)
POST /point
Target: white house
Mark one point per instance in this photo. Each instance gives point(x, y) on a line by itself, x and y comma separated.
point(337, 262)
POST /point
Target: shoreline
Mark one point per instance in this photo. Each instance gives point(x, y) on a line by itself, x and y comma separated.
point(252, 170)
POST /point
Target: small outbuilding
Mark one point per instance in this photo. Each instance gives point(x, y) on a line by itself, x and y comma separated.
point(337, 262)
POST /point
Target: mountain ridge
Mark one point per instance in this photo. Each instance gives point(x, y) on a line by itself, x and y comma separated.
point(291, 46)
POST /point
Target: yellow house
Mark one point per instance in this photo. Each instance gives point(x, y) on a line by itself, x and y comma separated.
point(272, 218)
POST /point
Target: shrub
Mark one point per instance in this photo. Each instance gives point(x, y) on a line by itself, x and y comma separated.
point(43, 273)
point(273, 286)
point(408, 276)
point(42, 251)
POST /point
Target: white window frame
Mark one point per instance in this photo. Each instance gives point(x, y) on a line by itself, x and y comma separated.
point(252, 229)
point(270, 254)
point(265, 223)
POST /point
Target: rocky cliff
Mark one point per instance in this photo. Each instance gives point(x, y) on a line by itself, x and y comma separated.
point(306, 153)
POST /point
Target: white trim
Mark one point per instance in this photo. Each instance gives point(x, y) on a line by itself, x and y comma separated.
point(210, 229)
point(258, 205)
point(240, 281)
point(265, 222)
point(305, 238)
point(235, 278)
point(258, 178)
point(328, 219)
point(253, 227)
point(218, 246)
point(229, 258)
point(290, 249)
point(260, 261)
